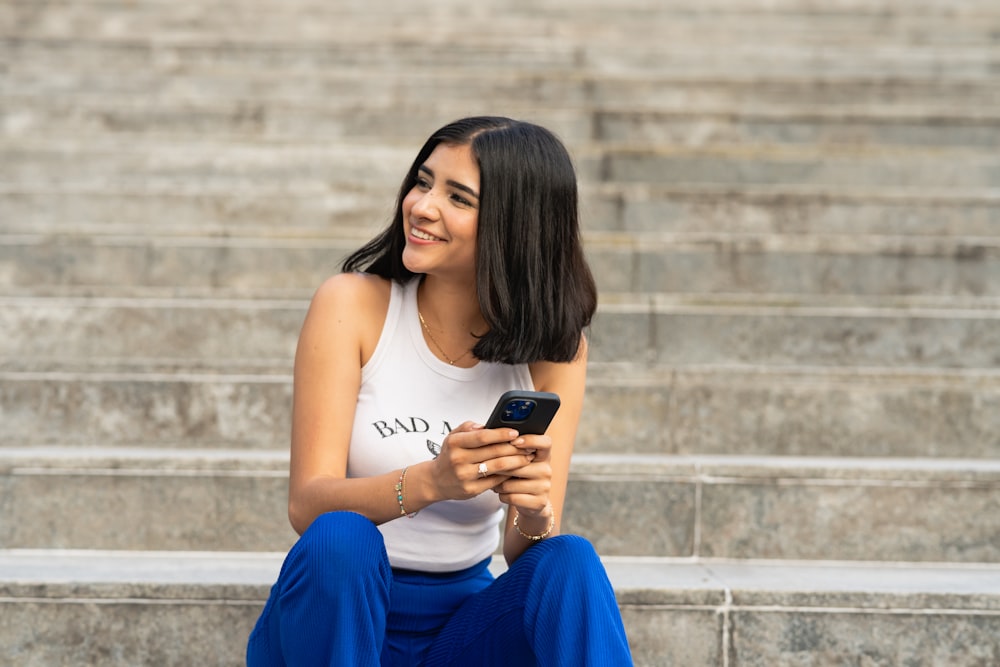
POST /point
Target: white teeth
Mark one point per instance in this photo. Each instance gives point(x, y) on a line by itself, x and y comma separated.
point(423, 235)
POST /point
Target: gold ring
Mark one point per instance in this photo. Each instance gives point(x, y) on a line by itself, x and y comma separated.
point(482, 470)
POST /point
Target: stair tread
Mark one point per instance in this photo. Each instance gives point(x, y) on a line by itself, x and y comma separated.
point(274, 462)
point(637, 580)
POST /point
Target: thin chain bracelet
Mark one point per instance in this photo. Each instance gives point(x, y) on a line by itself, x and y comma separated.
point(534, 538)
point(399, 495)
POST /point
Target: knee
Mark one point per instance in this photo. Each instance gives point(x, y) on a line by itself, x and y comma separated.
point(339, 542)
point(573, 549)
point(563, 557)
point(342, 534)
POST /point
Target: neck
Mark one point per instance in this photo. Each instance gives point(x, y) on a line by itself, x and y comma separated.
point(450, 319)
point(453, 307)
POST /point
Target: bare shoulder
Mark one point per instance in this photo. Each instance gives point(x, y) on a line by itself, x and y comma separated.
point(353, 289)
point(352, 306)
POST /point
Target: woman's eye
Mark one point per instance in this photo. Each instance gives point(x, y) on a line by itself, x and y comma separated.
point(423, 184)
point(461, 200)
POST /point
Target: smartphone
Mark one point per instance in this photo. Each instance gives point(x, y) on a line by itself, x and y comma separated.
point(527, 412)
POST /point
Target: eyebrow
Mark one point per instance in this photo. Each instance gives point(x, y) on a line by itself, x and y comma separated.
point(454, 184)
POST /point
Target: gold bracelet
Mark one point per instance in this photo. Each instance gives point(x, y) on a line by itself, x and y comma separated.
point(534, 538)
point(399, 495)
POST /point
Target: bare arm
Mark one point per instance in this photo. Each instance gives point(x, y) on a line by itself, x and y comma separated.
point(538, 492)
point(338, 335)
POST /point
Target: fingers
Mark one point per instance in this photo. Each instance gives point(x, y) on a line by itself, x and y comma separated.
point(474, 459)
point(527, 486)
point(504, 465)
point(470, 435)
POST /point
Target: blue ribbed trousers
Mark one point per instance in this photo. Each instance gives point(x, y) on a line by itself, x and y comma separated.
point(338, 602)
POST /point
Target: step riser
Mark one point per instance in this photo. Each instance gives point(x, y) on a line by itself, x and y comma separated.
point(321, 208)
point(790, 213)
point(729, 269)
point(882, 9)
point(196, 264)
point(214, 632)
point(46, 331)
point(714, 266)
point(75, 631)
point(113, 210)
point(240, 166)
point(501, 88)
point(265, 23)
point(538, 55)
point(910, 171)
point(261, 118)
point(708, 130)
point(223, 333)
point(234, 166)
point(787, 519)
point(162, 411)
point(723, 413)
point(789, 338)
point(188, 510)
point(735, 413)
point(720, 636)
point(686, 513)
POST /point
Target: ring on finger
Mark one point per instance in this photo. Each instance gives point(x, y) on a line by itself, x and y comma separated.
point(482, 469)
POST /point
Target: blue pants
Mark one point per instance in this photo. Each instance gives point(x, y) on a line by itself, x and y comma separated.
point(338, 602)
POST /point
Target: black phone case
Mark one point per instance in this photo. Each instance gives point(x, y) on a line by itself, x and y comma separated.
point(545, 406)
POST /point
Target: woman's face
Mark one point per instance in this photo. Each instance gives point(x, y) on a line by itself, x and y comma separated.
point(441, 214)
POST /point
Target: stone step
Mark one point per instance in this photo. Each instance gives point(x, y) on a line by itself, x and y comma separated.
point(801, 411)
point(236, 164)
point(795, 264)
point(498, 50)
point(690, 411)
point(309, 208)
point(877, 8)
point(347, 163)
point(605, 21)
point(70, 116)
point(701, 330)
point(305, 208)
point(808, 508)
point(198, 608)
point(846, 166)
point(717, 263)
point(502, 88)
point(789, 209)
point(683, 330)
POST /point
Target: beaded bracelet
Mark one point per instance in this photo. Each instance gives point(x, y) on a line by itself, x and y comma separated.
point(534, 538)
point(399, 496)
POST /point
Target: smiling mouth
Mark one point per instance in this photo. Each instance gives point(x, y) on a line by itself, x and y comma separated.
point(424, 236)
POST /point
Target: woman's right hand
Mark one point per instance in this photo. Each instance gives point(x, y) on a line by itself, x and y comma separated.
point(457, 469)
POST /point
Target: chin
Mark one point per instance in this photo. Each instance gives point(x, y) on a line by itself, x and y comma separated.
point(412, 264)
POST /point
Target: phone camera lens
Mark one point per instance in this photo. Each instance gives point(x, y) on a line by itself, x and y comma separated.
point(518, 411)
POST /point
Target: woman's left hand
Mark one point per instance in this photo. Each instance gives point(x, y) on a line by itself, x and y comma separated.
point(527, 488)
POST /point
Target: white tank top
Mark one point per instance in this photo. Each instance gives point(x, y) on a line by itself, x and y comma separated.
point(409, 401)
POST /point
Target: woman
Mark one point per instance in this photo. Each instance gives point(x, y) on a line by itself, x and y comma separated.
point(478, 286)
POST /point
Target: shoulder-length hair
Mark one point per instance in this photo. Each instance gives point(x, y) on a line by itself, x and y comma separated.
point(536, 291)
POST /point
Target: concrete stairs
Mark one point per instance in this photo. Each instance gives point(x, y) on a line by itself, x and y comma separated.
point(790, 451)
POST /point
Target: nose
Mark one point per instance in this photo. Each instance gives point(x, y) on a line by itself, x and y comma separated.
point(424, 204)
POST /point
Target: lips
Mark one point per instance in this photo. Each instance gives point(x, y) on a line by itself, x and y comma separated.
point(422, 235)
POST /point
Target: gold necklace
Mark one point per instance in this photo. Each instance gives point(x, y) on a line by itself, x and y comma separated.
point(444, 354)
